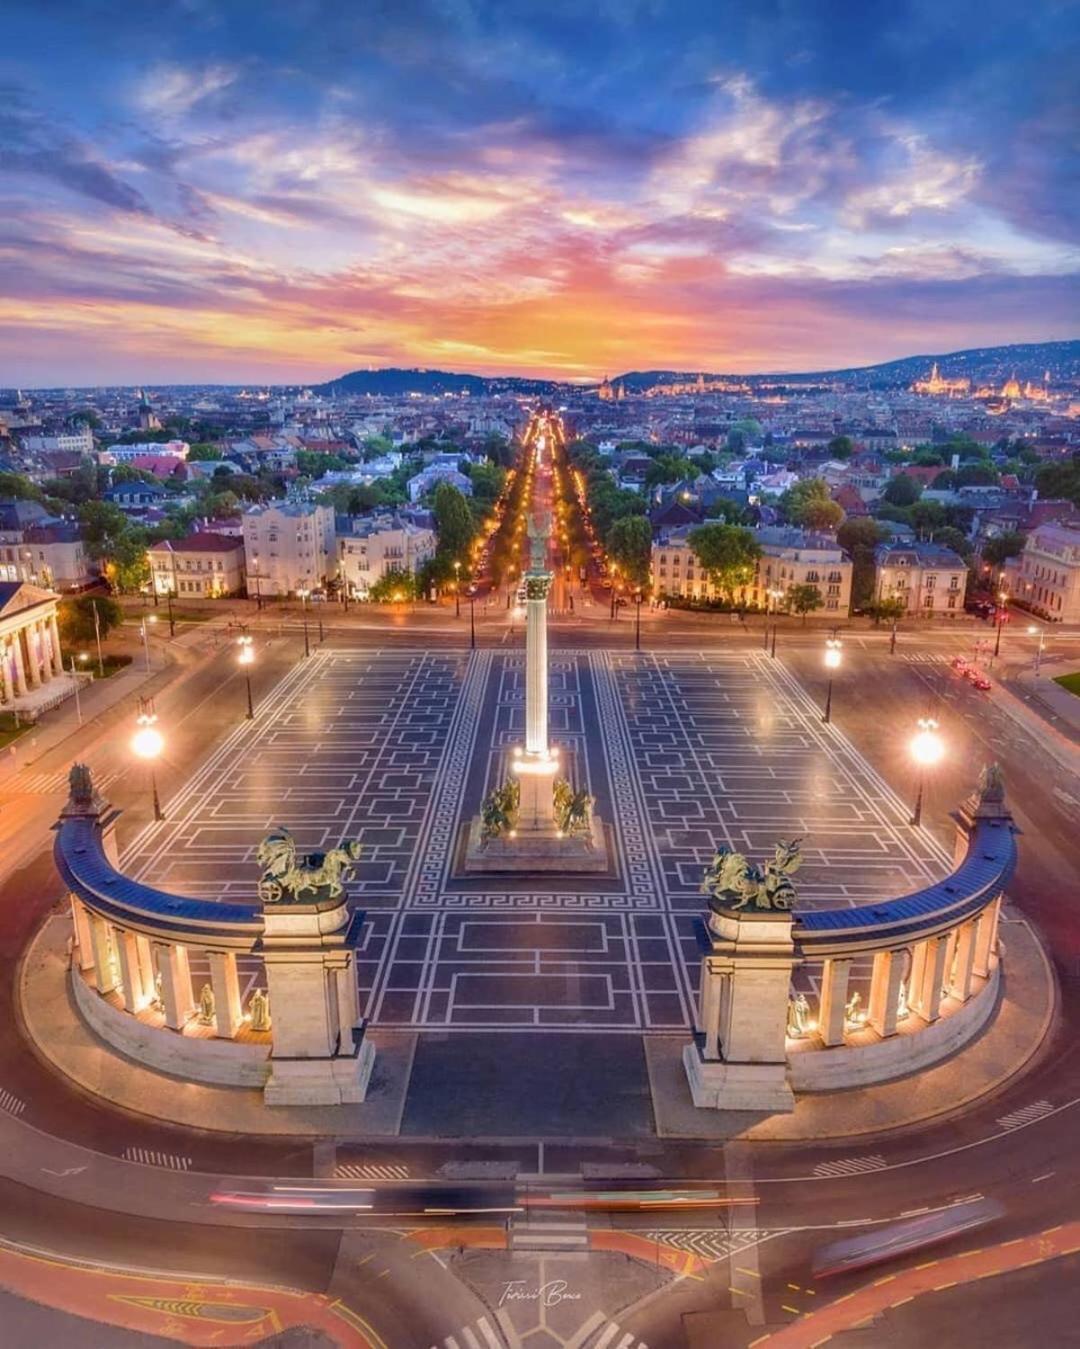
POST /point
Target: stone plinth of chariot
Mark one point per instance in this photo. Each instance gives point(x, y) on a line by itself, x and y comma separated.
point(321, 1055)
point(738, 1058)
point(534, 838)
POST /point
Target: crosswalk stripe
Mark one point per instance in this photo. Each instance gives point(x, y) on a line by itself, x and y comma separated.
point(1027, 1114)
point(470, 1338)
point(583, 1332)
point(358, 1171)
point(850, 1166)
point(11, 1103)
point(607, 1336)
point(170, 1161)
point(488, 1334)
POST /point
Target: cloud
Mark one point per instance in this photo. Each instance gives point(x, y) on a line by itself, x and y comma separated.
point(172, 90)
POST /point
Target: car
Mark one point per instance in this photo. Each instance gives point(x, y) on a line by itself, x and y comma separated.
point(959, 664)
point(980, 682)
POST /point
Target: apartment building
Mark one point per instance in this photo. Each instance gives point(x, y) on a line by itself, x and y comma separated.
point(931, 580)
point(288, 546)
point(202, 566)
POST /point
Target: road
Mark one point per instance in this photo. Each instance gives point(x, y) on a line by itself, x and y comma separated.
point(371, 1268)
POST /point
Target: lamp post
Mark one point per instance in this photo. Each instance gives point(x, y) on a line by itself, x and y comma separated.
point(472, 617)
point(833, 658)
point(614, 587)
point(97, 639)
point(74, 675)
point(172, 622)
point(148, 744)
point(457, 589)
point(1034, 631)
point(774, 597)
point(637, 620)
point(1001, 615)
point(246, 657)
point(147, 618)
point(302, 592)
point(927, 749)
point(509, 586)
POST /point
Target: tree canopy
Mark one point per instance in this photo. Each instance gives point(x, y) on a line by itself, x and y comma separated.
point(727, 553)
point(629, 545)
point(902, 490)
point(809, 505)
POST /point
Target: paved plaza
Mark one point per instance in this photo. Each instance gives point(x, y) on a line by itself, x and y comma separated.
point(397, 749)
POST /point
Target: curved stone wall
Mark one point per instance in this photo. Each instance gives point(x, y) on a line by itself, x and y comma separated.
point(222, 1063)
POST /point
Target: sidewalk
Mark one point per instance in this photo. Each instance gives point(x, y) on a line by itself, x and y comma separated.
point(1047, 712)
point(1057, 705)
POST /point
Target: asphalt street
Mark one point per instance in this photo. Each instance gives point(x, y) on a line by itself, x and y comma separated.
point(372, 1268)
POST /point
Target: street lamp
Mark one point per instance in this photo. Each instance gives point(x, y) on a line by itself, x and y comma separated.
point(78, 705)
point(927, 749)
point(1002, 614)
point(833, 658)
point(457, 589)
point(472, 617)
point(303, 593)
point(150, 618)
point(1035, 631)
point(246, 657)
point(147, 743)
point(172, 621)
point(637, 620)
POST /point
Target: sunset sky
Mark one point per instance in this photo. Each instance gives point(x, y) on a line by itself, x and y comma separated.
point(220, 190)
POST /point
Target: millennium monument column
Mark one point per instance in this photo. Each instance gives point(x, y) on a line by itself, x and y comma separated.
point(535, 769)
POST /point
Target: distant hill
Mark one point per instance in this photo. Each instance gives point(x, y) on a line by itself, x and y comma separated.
point(1028, 360)
point(397, 383)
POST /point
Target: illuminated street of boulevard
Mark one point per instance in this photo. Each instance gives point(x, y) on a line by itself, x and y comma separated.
point(525, 1169)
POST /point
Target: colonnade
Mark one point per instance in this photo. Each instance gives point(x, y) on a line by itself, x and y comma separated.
point(148, 972)
point(910, 980)
point(29, 653)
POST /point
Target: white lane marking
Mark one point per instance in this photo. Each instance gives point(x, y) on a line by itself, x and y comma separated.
point(1027, 1114)
point(170, 1161)
point(11, 1103)
point(851, 1166)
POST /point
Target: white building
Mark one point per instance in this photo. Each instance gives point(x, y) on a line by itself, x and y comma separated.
point(80, 441)
point(288, 546)
point(124, 454)
point(202, 566)
point(928, 578)
point(1046, 576)
point(371, 547)
point(789, 557)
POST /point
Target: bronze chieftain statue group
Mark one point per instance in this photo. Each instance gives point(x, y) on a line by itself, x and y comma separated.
point(733, 883)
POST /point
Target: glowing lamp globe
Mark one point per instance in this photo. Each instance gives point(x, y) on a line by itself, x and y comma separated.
point(927, 747)
point(147, 742)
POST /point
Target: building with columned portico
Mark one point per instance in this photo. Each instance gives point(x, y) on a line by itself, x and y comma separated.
point(30, 656)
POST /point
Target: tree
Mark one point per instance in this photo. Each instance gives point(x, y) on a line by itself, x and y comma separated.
point(999, 549)
point(1060, 480)
point(16, 486)
point(976, 475)
point(804, 599)
point(841, 447)
point(203, 451)
point(890, 609)
point(945, 481)
point(809, 505)
point(902, 491)
point(393, 587)
point(950, 537)
point(102, 524)
point(75, 618)
point(723, 508)
point(453, 521)
point(629, 545)
point(128, 566)
point(926, 516)
point(667, 468)
point(859, 537)
point(727, 553)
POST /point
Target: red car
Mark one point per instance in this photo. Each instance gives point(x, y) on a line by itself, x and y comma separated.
point(960, 665)
point(980, 682)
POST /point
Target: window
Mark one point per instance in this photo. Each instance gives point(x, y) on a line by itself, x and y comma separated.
point(952, 601)
point(931, 582)
point(928, 602)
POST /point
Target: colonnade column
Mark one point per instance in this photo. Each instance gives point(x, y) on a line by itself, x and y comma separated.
point(885, 981)
point(57, 655)
point(226, 986)
point(145, 957)
point(927, 973)
point(964, 963)
point(131, 978)
point(33, 673)
point(172, 964)
point(834, 986)
point(104, 968)
point(84, 941)
point(986, 938)
point(5, 672)
point(20, 668)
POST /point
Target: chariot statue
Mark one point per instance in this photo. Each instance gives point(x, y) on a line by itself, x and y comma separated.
point(733, 883)
point(573, 810)
point(498, 813)
point(287, 876)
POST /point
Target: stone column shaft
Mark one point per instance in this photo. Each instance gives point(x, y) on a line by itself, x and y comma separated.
point(885, 991)
point(84, 941)
point(172, 963)
point(927, 974)
point(145, 958)
point(964, 968)
point(226, 988)
point(130, 974)
point(57, 655)
point(536, 675)
point(347, 1005)
point(104, 973)
point(20, 668)
point(986, 938)
point(834, 986)
point(33, 672)
point(6, 675)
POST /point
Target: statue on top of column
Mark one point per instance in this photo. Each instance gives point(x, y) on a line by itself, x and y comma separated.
point(539, 532)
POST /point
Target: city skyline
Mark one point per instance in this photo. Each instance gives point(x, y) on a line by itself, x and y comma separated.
point(285, 195)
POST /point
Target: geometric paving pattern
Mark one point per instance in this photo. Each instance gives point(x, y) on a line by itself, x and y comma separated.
point(397, 749)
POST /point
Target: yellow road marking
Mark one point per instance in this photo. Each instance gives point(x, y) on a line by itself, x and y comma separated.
point(752, 1272)
point(793, 1310)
